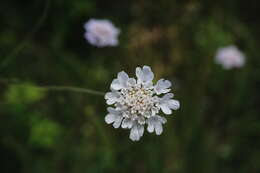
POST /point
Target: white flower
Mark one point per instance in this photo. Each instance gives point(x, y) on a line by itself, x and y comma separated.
point(230, 57)
point(101, 33)
point(138, 102)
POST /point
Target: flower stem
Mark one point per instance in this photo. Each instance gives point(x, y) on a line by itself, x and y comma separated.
point(54, 87)
point(73, 89)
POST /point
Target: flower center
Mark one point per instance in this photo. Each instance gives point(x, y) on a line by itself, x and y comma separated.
point(139, 101)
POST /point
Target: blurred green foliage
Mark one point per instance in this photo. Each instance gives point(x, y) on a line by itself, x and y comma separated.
point(44, 133)
point(215, 130)
point(21, 94)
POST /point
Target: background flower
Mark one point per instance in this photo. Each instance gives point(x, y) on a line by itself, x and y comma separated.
point(101, 33)
point(230, 57)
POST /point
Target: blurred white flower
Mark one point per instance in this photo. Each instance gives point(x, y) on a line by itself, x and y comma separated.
point(230, 57)
point(138, 102)
point(101, 33)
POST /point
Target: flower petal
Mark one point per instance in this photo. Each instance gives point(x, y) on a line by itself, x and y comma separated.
point(117, 121)
point(155, 124)
point(168, 96)
point(123, 78)
point(139, 75)
point(166, 109)
point(127, 123)
point(144, 75)
point(150, 127)
point(112, 97)
point(151, 122)
point(134, 133)
point(161, 119)
point(166, 103)
point(140, 130)
point(131, 82)
point(110, 118)
point(141, 120)
point(116, 85)
point(113, 111)
point(158, 128)
point(162, 86)
point(174, 104)
point(147, 74)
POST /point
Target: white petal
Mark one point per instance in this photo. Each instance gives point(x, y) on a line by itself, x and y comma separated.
point(123, 78)
point(113, 111)
point(107, 95)
point(116, 85)
point(155, 124)
point(127, 123)
point(134, 134)
point(112, 97)
point(139, 74)
point(141, 120)
point(166, 109)
point(168, 96)
point(154, 111)
point(140, 130)
point(162, 86)
point(167, 84)
point(166, 103)
point(131, 82)
point(148, 85)
point(150, 127)
point(161, 119)
point(151, 121)
point(117, 121)
point(158, 128)
point(147, 74)
point(110, 118)
point(110, 101)
point(174, 104)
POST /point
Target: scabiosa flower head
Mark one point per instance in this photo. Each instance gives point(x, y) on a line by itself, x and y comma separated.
point(137, 102)
point(101, 33)
point(230, 57)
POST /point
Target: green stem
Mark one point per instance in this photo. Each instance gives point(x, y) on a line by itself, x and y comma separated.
point(73, 89)
point(54, 87)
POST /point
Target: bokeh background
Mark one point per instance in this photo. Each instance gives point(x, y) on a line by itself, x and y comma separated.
point(217, 128)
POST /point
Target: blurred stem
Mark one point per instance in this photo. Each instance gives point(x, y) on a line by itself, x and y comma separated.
point(73, 89)
point(54, 87)
point(23, 43)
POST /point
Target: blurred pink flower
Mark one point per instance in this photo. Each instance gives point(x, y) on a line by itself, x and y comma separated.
point(230, 57)
point(101, 33)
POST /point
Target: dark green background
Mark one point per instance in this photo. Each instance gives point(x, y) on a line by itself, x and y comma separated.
point(216, 130)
